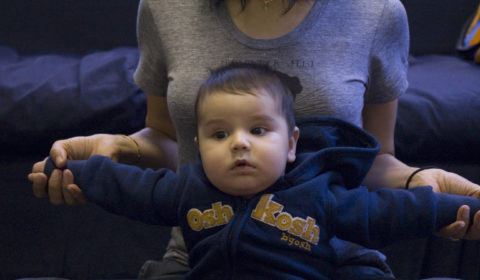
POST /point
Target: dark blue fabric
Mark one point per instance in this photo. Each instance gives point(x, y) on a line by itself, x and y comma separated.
point(48, 97)
point(439, 115)
point(67, 26)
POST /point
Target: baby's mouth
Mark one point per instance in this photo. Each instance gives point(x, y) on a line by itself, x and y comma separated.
point(242, 164)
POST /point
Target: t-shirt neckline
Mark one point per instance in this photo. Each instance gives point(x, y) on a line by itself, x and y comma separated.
point(290, 38)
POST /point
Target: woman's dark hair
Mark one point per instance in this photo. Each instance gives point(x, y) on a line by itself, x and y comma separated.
point(249, 78)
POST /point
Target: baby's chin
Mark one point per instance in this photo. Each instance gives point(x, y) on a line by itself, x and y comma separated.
point(241, 192)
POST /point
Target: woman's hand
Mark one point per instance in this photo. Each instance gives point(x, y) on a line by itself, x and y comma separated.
point(447, 182)
point(60, 187)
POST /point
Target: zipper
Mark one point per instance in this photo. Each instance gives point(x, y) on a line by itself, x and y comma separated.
point(236, 225)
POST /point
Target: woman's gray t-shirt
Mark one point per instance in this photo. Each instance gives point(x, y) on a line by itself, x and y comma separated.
point(345, 53)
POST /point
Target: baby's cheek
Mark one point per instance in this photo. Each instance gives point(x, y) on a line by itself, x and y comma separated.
point(213, 167)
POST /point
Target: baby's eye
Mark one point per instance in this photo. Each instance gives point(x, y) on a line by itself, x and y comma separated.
point(220, 134)
point(259, 130)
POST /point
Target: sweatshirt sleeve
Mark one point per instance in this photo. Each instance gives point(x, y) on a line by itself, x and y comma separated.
point(376, 219)
point(146, 195)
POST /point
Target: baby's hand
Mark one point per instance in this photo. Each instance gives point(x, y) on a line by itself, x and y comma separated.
point(69, 192)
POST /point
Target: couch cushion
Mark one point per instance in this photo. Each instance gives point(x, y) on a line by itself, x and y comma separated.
point(48, 97)
point(439, 115)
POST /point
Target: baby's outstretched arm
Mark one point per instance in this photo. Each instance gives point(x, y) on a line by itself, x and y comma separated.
point(147, 195)
point(378, 218)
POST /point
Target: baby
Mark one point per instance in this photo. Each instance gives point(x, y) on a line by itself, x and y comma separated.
point(263, 202)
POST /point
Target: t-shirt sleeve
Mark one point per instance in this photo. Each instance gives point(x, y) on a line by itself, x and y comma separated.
point(389, 55)
point(151, 73)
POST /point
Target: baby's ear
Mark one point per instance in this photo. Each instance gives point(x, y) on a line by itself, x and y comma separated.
point(195, 139)
point(292, 145)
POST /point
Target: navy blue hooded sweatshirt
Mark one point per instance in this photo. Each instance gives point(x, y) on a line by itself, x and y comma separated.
point(284, 231)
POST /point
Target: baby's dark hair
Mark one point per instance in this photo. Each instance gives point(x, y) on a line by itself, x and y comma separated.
point(241, 78)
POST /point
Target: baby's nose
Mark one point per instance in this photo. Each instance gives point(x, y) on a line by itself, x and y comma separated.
point(240, 141)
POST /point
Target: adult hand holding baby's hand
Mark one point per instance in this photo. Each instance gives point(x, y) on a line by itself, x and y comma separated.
point(461, 229)
point(448, 182)
point(60, 187)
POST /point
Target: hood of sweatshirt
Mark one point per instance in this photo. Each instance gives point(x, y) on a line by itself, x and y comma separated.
point(330, 144)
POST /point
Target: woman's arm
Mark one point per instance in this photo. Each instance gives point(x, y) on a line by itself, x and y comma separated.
point(157, 141)
point(156, 145)
point(388, 171)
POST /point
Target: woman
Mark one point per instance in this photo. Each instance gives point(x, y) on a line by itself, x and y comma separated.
point(350, 56)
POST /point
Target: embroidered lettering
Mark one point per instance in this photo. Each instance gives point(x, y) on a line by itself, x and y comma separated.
point(270, 212)
point(292, 241)
point(266, 210)
point(216, 216)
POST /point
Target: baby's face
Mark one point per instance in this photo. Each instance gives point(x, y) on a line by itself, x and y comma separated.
point(244, 142)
